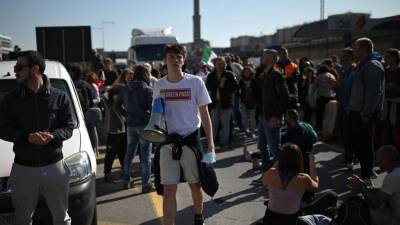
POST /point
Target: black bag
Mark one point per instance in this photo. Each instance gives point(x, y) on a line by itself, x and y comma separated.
point(208, 179)
point(83, 98)
point(93, 116)
point(354, 210)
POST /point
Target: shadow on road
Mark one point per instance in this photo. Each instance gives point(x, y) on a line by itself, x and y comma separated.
point(217, 205)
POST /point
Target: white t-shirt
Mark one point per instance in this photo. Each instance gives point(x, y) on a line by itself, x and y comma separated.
point(391, 186)
point(182, 101)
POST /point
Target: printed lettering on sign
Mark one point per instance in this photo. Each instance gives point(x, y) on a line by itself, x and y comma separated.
point(176, 94)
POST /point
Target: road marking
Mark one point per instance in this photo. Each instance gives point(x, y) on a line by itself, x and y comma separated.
point(157, 204)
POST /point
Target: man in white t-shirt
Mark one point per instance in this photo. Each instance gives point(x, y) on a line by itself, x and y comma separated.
point(385, 201)
point(186, 108)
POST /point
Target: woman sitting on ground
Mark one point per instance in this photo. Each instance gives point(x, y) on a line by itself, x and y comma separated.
point(287, 183)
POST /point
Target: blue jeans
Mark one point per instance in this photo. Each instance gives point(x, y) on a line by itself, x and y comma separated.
point(221, 115)
point(145, 155)
point(269, 140)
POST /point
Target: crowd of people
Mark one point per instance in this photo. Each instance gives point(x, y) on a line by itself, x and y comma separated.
point(284, 104)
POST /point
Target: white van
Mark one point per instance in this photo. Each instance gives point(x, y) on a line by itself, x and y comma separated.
point(78, 154)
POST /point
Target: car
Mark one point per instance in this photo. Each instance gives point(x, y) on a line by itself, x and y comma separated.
point(78, 154)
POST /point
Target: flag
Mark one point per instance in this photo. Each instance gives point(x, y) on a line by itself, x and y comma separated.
point(208, 55)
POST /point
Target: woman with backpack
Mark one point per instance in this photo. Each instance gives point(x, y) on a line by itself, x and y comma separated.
point(287, 183)
point(247, 85)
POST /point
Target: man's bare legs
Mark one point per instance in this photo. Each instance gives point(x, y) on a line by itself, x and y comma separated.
point(169, 204)
point(197, 196)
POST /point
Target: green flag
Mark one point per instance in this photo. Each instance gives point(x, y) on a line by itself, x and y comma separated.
point(208, 55)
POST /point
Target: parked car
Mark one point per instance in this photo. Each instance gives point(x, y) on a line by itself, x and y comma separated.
point(78, 154)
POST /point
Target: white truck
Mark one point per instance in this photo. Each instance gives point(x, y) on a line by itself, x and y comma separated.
point(147, 45)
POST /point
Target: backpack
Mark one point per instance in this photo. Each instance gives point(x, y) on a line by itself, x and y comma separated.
point(310, 131)
point(353, 210)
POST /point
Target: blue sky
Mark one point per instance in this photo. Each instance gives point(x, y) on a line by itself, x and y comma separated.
point(221, 19)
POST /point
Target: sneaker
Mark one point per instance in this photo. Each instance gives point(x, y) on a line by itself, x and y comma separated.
point(349, 165)
point(148, 188)
point(198, 220)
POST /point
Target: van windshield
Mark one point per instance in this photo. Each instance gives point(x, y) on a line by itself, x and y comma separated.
point(145, 53)
point(7, 85)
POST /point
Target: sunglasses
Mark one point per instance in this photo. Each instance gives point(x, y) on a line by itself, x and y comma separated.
point(19, 67)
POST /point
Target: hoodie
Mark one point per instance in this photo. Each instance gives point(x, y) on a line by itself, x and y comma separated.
point(367, 87)
point(134, 102)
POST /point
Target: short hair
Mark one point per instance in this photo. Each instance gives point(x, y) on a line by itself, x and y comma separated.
point(334, 57)
point(220, 58)
point(141, 73)
point(271, 52)
point(249, 68)
point(293, 114)
point(328, 62)
point(108, 60)
point(282, 49)
point(309, 69)
point(348, 51)
point(34, 59)
point(366, 43)
point(323, 69)
point(290, 160)
point(175, 49)
point(390, 153)
point(75, 71)
point(394, 52)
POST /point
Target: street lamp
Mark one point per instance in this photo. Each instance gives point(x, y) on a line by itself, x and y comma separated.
point(102, 29)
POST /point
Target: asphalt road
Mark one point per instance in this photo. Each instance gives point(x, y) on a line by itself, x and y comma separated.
point(237, 201)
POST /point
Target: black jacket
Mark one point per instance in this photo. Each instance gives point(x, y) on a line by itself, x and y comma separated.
point(192, 141)
point(23, 112)
point(247, 92)
point(275, 94)
point(226, 93)
point(208, 178)
point(259, 80)
point(85, 94)
point(111, 76)
point(136, 98)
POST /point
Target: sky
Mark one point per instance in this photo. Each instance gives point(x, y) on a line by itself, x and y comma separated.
point(220, 19)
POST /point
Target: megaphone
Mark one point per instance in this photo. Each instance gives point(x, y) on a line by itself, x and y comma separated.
point(153, 131)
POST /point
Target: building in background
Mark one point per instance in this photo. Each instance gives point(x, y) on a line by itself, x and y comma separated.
point(5, 46)
point(320, 39)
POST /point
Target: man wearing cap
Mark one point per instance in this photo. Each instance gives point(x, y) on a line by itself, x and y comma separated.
point(37, 119)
